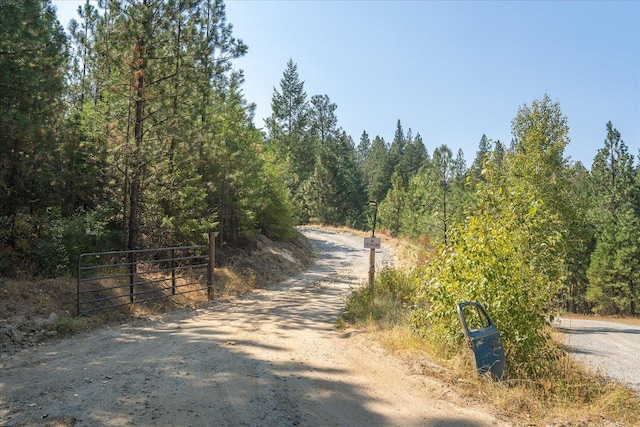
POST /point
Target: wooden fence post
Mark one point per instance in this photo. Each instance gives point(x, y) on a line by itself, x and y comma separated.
point(172, 266)
point(211, 264)
point(132, 275)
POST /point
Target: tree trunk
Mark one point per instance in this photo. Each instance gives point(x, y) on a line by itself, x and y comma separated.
point(134, 195)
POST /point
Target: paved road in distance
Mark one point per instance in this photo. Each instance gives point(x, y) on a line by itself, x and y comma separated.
point(613, 349)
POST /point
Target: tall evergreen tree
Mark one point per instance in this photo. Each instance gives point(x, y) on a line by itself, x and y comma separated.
point(415, 156)
point(446, 176)
point(290, 109)
point(353, 193)
point(614, 271)
point(157, 67)
point(498, 155)
point(288, 127)
point(83, 157)
point(334, 194)
point(391, 209)
point(320, 191)
point(363, 148)
point(397, 152)
point(32, 69)
point(575, 285)
point(323, 120)
point(415, 218)
point(612, 178)
point(482, 156)
point(376, 170)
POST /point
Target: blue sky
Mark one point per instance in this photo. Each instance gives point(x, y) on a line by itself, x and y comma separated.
point(449, 70)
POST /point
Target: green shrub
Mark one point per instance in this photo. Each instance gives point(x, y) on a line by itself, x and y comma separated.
point(63, 239)
point(388, 302)
point(69, 325)
point(493, 260)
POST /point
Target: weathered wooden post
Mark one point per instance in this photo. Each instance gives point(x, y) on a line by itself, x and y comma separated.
point(211, 252)
point(132, 275)
point(372, 268)
point(372, 243)
point(172, 266)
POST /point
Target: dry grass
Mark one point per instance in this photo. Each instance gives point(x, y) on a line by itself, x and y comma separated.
point(574, 397)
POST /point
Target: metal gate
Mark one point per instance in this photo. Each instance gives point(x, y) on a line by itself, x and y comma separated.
point(113, 279)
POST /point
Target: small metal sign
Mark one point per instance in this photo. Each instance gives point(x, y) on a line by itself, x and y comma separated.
point(372, 243)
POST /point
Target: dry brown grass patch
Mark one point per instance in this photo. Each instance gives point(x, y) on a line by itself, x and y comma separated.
point(573, 397)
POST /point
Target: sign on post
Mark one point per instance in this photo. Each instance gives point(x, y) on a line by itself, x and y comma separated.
point(372, 243)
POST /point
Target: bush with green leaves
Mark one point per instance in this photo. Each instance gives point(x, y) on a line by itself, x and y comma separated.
point(63, 239)
point(500, 259)
point(70, 325)
point(387, 302)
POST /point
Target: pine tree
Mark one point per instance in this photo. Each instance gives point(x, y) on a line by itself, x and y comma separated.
point(320, 192)
point(352, 196)
point(158, 68)
point(288, 128)
point(32, 68)
point(612, 177)
point(415, 218)
point(83, 157)
point(415, 156)
point(575, 285)
point(615, 267)
point(323, 120)
point(614, 272)
point(482, 156)
point(497, 156)
point(336, 179)
point(376, 170)
point(391, 209)
point(397, 152)
point(363, 148)
point(290, 110)
point(444, 179)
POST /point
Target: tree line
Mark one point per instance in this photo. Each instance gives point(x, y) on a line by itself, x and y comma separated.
point(132, 131)
point(583, 224)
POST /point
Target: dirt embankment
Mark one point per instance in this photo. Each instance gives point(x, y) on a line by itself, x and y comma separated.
point(32, 312)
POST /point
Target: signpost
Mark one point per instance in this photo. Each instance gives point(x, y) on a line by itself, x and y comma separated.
point(372, 243)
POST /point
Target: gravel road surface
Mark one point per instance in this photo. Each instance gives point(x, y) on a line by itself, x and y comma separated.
point(270, 358)
point(613, 349)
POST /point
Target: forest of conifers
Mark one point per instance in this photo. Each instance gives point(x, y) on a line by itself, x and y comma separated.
point(132, 131)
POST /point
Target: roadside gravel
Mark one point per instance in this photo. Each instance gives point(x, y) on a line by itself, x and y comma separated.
point(612, 349)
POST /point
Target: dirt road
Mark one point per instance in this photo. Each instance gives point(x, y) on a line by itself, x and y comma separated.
point(271, 358)
point(610, 348)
